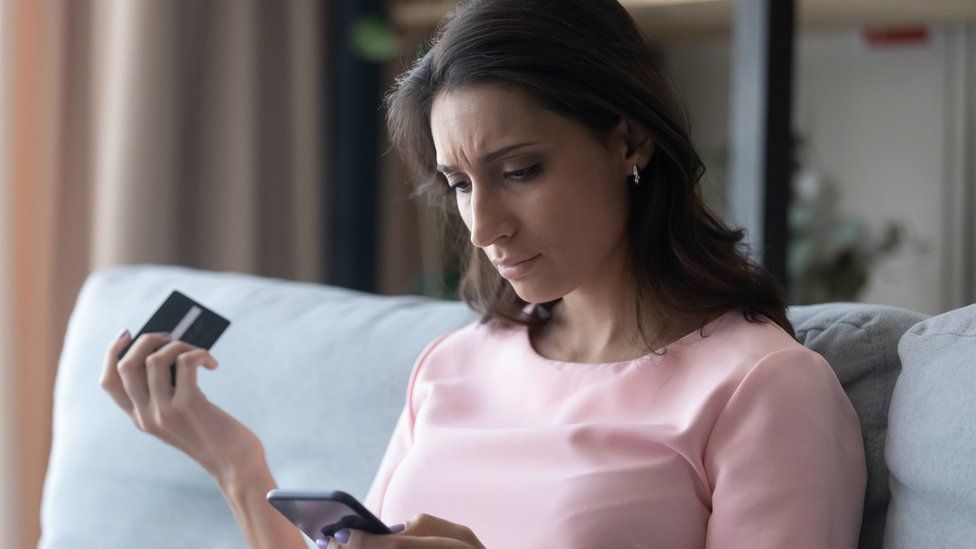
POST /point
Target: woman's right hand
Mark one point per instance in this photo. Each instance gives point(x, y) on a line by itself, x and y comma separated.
point(182, 416)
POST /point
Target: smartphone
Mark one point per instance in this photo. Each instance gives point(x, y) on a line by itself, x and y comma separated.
point(186, 320)
point(321, 513)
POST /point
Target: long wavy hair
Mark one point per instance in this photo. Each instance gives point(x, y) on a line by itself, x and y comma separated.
point(588, 61)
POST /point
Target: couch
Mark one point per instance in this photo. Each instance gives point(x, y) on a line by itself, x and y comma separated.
point(319, 373)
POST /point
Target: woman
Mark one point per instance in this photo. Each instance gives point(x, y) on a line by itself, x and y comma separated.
point(633, 381)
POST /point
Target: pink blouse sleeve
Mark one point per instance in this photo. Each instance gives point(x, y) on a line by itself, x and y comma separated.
point(401, 440)
point(786, 459)
point(395, 450)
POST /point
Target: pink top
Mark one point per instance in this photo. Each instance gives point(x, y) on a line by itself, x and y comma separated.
point(743, 438)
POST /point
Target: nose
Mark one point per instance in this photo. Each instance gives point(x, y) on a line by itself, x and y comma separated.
point(489, 217)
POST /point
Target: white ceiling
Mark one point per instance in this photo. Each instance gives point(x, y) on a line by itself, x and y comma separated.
point(675, 20)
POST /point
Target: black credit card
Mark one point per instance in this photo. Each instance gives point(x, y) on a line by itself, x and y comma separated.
point(185, 320)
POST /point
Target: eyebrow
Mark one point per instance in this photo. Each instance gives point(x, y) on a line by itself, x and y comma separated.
point(486, 159)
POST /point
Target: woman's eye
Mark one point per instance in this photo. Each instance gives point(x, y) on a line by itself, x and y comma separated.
point(451, 189)
point(526, 174)
point(518, 175)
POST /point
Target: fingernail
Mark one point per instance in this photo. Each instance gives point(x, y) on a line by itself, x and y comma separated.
point(123, 333)
point(323, 542)
point(167, 335)
point(397, 528)
point(342, 535)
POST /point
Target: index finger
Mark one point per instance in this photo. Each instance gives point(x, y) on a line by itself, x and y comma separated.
point(132, 367)
point(116, 347)
point(146, 344)
point(110, 380)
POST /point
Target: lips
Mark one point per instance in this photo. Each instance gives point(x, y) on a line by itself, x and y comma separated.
point(517, 269)
point(514, 261)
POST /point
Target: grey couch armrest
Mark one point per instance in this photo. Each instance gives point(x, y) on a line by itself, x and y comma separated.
point(931, 436)
point(860, 341)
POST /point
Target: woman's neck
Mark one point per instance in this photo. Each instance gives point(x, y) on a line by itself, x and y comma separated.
point(595, 323)
point(596, 340)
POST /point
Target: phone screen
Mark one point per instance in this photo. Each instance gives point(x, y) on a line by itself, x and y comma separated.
point(323, 513)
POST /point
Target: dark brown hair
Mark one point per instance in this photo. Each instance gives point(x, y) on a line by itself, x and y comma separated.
point(586, 60)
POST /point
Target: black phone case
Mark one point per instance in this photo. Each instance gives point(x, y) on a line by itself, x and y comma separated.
point(201, 329)
point(318, 514)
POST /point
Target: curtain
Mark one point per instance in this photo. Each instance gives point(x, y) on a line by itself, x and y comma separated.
point(8, 518)
point(133, 131)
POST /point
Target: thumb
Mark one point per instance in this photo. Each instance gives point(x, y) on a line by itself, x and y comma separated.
point(448, 533)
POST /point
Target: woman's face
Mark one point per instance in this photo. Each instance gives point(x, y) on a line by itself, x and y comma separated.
point(530, 182)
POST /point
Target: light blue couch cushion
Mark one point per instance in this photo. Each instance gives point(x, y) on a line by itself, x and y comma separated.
point(932, 436)
point(319, 373)
point(860, 341)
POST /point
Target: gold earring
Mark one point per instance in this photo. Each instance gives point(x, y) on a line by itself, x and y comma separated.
point(636, 175)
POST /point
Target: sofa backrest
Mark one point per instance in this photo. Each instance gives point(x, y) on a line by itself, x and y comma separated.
point(932, 436)
point(860, 341)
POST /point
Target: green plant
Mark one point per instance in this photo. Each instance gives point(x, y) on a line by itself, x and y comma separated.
point(373, 39)
point(831, 254)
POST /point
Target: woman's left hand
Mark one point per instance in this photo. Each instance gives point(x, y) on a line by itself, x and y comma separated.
point(421, 532)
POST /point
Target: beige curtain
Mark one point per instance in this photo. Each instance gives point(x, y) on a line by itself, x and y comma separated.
point(131, 131)
point(8, 476)
point(31, 108)
point(209, 145)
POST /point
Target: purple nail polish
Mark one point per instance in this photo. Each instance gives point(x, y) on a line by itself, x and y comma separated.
point(122, 333)
point(323, 542)
point(397, 528)
point(343, 535)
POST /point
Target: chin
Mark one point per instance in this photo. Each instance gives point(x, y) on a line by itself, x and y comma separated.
point(533, 294)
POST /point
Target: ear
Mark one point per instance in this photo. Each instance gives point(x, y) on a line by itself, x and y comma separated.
point(635, 142)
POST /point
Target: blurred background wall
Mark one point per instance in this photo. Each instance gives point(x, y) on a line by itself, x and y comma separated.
point(883, 123)
point(220, 135)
